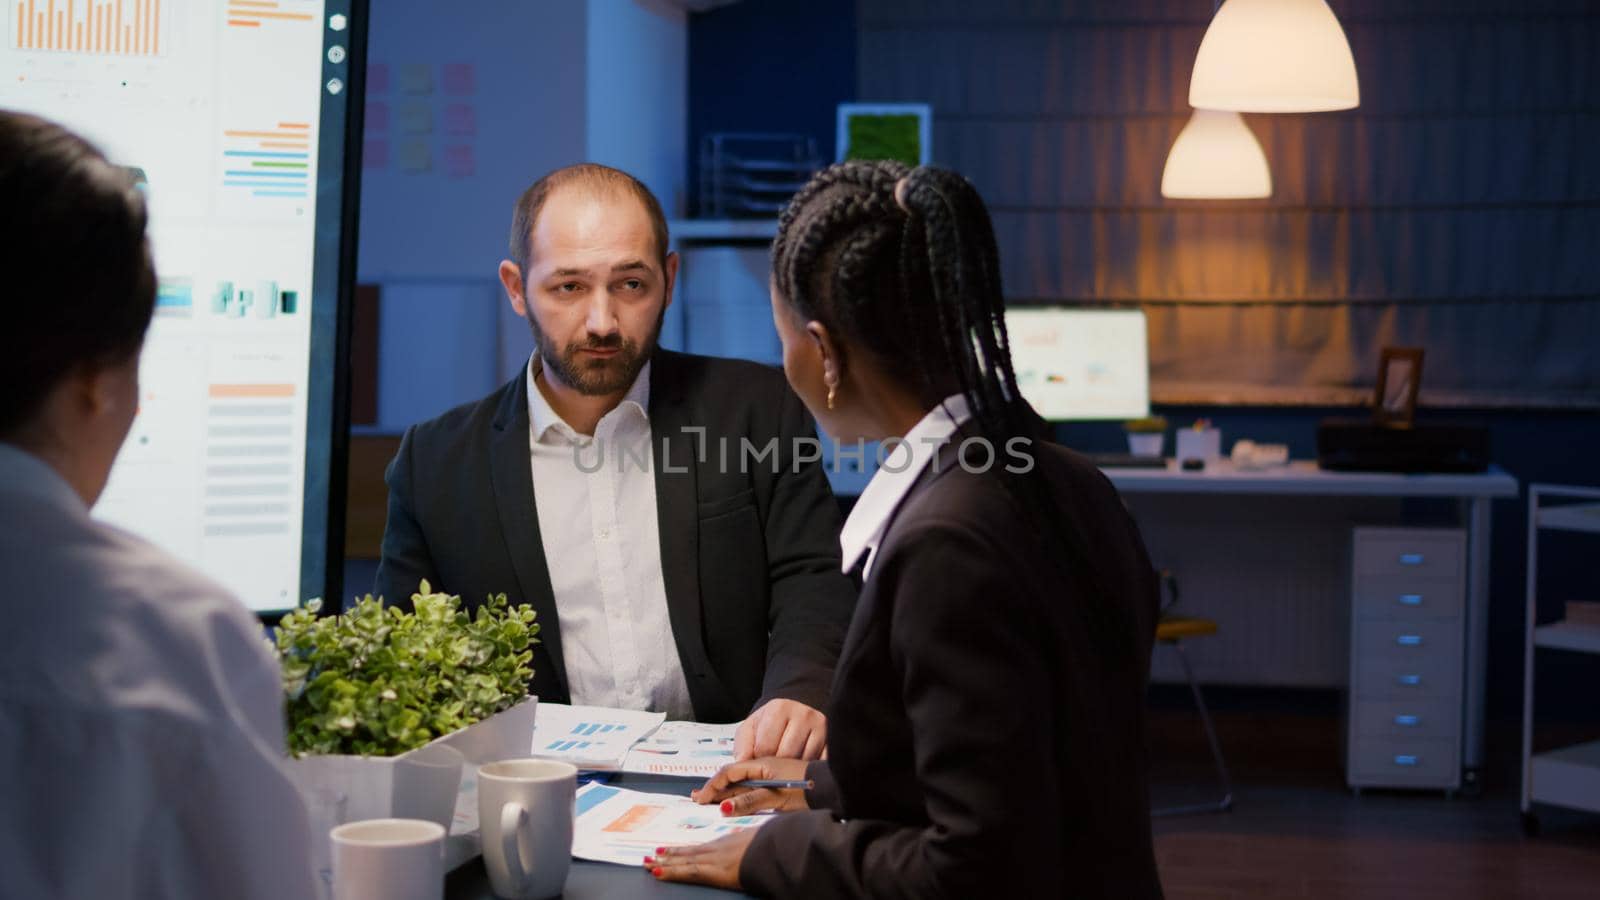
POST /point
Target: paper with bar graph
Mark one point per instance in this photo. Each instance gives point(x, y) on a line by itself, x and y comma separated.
point(590, 737)
point(689, 749)
point(616, 825)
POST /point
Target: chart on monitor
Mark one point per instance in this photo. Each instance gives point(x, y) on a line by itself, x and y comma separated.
point(1077, 364)
point(232, 117)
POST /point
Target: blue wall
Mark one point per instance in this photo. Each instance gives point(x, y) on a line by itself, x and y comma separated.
point(770, 66)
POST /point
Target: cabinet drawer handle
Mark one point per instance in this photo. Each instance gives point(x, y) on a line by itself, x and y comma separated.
point(1405, 759)
point(1409, 640)
point(1410, 680)
point(1406, 720)
point(1411, 559)
point(1410, 599)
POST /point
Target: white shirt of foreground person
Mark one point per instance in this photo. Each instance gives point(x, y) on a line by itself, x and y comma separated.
point(596, 502)
point(141, 717)
point(869, 518)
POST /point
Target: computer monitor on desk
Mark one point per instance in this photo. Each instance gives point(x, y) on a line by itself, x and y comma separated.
point(1078, 365)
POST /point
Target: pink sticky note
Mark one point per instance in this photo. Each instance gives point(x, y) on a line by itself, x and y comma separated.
point(375, 154)
point(377, 78)
point(459, 161)
point(377, 120)
point(460, 119)
point(460, 79)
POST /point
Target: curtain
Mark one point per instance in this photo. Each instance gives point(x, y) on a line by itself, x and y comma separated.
point(1457, 209)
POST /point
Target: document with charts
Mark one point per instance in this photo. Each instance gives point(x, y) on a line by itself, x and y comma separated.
point(598, 738)
point(616, 825)
point(590, 737)
point(682, 748)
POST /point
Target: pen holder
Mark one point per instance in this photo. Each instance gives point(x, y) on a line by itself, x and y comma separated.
point(1204, 444)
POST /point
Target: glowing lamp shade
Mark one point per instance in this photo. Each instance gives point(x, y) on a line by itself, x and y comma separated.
point(1216, 157)
point(1274, 56)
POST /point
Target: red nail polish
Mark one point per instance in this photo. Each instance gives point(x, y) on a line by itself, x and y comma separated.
point(727, 807)
point(656, 871)
point(661, 849)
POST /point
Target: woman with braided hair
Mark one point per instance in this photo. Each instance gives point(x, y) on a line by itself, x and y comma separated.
point(986, 729)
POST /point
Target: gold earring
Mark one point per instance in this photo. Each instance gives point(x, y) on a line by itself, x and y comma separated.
point(831, 389)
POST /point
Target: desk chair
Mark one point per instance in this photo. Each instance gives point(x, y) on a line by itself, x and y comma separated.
point(1172, 630)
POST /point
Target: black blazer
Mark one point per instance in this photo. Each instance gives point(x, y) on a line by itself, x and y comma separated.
point(750, 559)
point(982, 741)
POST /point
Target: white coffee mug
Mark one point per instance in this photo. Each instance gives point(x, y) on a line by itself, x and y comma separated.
point(525, 812)
point(388, 859)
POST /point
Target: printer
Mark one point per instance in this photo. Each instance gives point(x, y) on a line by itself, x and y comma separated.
point(1365, 445)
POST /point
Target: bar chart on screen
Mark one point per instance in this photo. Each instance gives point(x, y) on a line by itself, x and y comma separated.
point(269, 160)
point(270, 14)
point(92, 27)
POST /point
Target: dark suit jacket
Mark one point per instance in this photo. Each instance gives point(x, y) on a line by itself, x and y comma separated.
point(982, 740)
point(750, 559)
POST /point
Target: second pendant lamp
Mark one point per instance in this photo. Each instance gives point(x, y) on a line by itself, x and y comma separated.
point(1216, 157)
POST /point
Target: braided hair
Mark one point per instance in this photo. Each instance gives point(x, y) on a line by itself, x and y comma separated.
point(902, 264)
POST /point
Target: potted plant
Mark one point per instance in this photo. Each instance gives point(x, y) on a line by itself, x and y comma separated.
point(1145, 436)
point(385, 706)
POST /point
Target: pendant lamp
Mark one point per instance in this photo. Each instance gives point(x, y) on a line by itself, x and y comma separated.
point(1216, 156)
point(1274, 56)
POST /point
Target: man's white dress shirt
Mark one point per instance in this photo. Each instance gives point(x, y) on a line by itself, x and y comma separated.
point(596, 502)
point(141, 717)
point(869, 518)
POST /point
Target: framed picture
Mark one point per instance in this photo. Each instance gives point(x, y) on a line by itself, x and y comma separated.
point(1399, 378)
point(902, 131)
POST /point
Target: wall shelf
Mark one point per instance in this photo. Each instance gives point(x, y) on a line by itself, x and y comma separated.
point(1579, 636)
point(1570, 776)
point(1572, 517)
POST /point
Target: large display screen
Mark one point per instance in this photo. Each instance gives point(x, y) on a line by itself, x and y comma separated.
point(233, 116)
point(1081, 364)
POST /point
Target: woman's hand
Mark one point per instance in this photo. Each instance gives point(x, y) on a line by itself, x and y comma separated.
point(715, 863)
point(738, 800)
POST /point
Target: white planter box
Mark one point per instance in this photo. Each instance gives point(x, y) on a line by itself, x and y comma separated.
point(421, 783)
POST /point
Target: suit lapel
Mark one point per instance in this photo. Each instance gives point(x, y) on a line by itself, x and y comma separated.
point(674, 453)
point(511, 478)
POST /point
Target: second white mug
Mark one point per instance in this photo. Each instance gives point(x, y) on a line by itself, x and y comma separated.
point(525, 812)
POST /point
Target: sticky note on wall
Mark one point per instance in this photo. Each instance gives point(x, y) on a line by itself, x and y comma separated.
point(460, 119)
point(460, 161)
point(416, 78)
point(377, 78)
point(415, 157)
point(416, 118)
point(375, 154)
point(460, 79)
point(377, 117)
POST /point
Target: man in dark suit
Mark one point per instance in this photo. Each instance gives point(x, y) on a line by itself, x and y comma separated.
point(665, 514)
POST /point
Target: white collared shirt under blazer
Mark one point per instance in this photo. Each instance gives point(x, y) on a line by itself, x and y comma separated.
point(141, 717)
point(596, 501)
point(869, 518)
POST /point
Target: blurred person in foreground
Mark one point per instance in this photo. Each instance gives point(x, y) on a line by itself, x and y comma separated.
point(141, 711)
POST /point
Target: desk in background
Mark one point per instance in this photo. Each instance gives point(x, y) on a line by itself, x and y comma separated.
point(1267, 554)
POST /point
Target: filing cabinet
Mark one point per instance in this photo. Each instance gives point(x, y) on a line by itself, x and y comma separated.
point(1407, 636)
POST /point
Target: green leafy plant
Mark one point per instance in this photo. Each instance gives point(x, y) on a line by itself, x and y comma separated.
point(377, 681)
point(1147, 425)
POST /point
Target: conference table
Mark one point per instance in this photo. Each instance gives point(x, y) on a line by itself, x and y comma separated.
point(592, 880)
